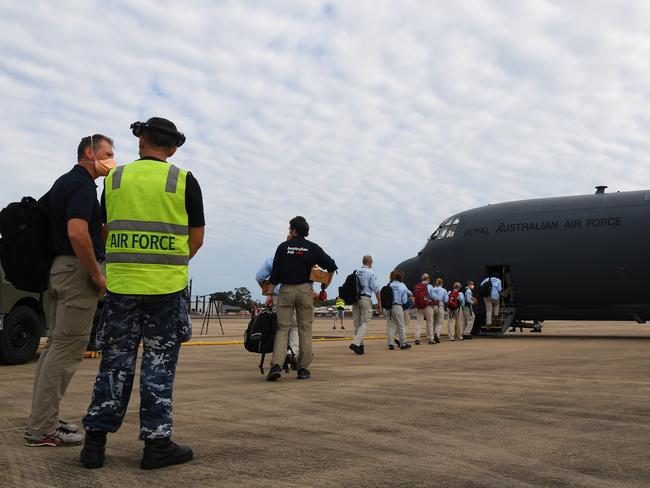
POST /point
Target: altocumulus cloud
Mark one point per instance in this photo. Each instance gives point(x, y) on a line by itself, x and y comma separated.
point(374, 119)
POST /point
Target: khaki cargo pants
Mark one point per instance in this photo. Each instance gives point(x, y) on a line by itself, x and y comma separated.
point(361, 313)
point(301, 299)
point(455, 324)
point(72, 303)
point(425, 314)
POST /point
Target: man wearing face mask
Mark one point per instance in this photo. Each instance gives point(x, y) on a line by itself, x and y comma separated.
point(76, 283)
point(155, 223)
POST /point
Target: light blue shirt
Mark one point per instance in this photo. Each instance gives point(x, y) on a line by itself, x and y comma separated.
point(496, 287)
point(264, 273)
point(440, 294)
point(401, 294)
point(468, 296)
point(368, 281)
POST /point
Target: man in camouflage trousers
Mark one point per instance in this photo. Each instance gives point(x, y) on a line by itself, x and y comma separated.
point(154, 217)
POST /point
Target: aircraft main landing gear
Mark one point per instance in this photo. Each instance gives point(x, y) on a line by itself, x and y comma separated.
point(535, 326)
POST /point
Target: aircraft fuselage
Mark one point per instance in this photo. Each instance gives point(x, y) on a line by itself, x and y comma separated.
point(568, 258)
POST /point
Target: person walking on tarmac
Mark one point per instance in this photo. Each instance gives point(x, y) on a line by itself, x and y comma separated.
point(362, 310)
point(155, 223)
point(455, 304)
point(423, 299)
point(340, 311)
point(438, 302)
point(468, 310)
point(292, 265)
point(395, 316)
point(263, 274)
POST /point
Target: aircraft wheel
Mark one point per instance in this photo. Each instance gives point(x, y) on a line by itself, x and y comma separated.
point(20, 336)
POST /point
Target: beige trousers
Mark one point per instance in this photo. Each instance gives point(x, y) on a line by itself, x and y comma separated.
point(301, 299)
point(72, 303)
point(455, 324)
point(425, 314)
point(395, 317)
point(293, 344)
point(469, 317)
point(438, 317)
point(360, 315)
point(491, 309)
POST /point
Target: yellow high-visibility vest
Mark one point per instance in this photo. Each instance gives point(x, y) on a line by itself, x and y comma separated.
point(147, 250)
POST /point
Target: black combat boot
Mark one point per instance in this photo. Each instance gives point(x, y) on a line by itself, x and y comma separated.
point(93, 452)
point(159, 453)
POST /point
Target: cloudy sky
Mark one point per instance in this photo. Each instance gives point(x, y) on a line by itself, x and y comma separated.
point(373, 119)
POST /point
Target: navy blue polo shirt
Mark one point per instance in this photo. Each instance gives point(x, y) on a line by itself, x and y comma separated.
point(74, 196)
point(294, 260)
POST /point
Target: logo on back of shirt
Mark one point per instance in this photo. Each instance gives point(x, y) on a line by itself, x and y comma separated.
point(298, 251)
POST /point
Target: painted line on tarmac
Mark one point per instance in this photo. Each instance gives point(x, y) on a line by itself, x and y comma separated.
point(316, 339)
point(94, 354)
point(97, 354)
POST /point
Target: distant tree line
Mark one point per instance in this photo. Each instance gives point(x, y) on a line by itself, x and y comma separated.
point(241, 297)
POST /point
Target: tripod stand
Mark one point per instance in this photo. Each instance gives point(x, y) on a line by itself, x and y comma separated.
point(212, 304)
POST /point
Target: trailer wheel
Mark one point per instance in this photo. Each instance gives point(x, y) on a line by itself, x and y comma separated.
point(20, 336)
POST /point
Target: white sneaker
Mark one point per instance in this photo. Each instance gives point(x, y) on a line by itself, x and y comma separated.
point(68, 427)
point(57, 438)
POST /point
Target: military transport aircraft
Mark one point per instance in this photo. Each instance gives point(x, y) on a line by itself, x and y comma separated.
point(584, 257)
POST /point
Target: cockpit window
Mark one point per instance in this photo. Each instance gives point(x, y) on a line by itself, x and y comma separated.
point(447, 229)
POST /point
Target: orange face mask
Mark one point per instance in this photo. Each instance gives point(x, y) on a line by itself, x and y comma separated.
point(103, 166)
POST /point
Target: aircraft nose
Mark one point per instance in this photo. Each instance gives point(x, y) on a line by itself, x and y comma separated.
point(411, 269)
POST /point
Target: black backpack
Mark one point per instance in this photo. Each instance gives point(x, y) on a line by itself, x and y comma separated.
point(25, 247)
point(486, 288)
point(386, 297)
point(351, 289)
point(260, 334)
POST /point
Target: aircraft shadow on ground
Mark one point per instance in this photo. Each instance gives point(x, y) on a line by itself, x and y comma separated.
point(566, 337)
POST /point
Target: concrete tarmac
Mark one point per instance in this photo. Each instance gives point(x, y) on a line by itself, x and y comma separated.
point(569, 408)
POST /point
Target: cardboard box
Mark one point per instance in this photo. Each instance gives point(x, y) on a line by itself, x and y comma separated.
point(321, 276)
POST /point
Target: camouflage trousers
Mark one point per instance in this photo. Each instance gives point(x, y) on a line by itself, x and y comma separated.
point(161, 322)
